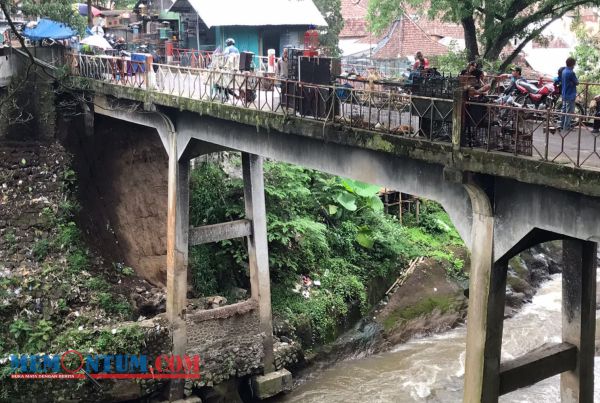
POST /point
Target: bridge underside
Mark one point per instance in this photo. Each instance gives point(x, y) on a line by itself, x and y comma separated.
point(496, 216)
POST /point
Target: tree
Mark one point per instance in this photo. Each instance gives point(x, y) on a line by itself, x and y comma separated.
point(332, 11)
point(57, 10)
point(587, 55)
point(488, 25)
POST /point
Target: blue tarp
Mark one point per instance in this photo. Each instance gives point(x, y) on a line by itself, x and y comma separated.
point(48, 29)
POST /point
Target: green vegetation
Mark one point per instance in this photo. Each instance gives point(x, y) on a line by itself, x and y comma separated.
point(327, 228)
point(332, 12)
point(423, 307)
point(488, 26)
point(58, 10)
point(127, 339)
point(587, 54)
point(63, 289)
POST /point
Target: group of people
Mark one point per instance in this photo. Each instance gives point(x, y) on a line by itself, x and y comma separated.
point(566, 80)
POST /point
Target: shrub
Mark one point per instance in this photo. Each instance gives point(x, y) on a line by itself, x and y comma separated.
point(40, 250)
point(78, 261)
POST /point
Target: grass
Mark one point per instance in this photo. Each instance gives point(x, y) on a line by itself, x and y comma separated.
point(78, 261)
point(423, 307)
point(40, 250)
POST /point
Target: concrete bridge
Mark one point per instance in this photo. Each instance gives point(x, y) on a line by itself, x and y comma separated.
point(501, 201)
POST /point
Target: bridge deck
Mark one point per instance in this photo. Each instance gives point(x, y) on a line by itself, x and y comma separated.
point(525, 133)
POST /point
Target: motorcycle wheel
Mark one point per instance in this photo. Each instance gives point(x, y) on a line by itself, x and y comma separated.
point(519, 101)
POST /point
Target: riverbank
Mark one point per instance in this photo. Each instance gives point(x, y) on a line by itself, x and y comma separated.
point(429, 302)
point(430, 364)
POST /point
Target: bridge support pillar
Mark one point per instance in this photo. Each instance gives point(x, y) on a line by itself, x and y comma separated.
point(177, 255)
point(254, 196)
point(487, 289)
point(579, 318)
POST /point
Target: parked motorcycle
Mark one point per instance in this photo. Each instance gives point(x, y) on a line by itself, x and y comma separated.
point(540, 96)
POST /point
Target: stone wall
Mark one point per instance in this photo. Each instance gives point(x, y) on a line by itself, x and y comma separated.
point(155, 343)
point(227, 340)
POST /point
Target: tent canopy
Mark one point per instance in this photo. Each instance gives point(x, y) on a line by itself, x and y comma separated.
point(252, 12)
point(97, 41)
point(48, 29)
point(82, 9)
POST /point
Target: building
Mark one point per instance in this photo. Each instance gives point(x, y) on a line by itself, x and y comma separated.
point(403, 38)
point(256, 25)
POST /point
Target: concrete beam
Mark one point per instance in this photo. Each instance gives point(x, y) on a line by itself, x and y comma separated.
point(402, 173)
point(579, 318)
point(177, 256)
point(546, 361)
point(265, 386)
point(487, 288)
point(521, 207)
point(258, 253)
point(163, 125)
point(220, 232)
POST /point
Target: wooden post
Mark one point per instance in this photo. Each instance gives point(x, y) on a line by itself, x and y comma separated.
point(487, 287)
point(417, 205)
point(457, 117)
point(579, 318)
point(258, 254)
point(90, 16)
point(400, 208)
point(385, 201)
point(177, 255)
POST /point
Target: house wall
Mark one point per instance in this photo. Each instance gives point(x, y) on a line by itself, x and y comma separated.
point(249, 38)
point(246, 38)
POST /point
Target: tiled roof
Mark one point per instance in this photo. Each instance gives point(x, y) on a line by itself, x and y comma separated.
point(355, 15)
point(354, 28)
point(411, 36)
point(401, 39)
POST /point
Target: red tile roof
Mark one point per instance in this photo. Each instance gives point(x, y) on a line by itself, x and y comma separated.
point(355, 15)
point(403, 38)
point(409, 36)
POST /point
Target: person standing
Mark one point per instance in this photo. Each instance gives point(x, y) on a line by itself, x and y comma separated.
point(282, 65)
point(569, 84)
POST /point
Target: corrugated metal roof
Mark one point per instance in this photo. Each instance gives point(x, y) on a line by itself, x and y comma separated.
point(216, 13)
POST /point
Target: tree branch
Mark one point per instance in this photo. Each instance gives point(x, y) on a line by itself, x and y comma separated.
point(488, 14)
point(527, 39)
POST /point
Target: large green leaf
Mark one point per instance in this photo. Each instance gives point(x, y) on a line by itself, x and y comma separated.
point(375, 203)
point(360, 188)
point(347, 200)
point(364, 237)
point(333, 209)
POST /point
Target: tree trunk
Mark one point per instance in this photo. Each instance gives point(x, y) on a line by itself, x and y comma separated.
point(90, 16)
point(470, 38)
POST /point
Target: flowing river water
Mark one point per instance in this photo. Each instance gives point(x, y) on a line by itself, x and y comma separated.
point(431, 369)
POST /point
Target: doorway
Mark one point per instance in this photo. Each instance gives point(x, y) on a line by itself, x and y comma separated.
point(270, 40)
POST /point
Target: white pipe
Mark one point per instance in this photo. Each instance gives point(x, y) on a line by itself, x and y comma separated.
point(198, 35)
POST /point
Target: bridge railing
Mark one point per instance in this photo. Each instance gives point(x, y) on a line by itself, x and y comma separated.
point(523, 132)
point(384, 111)
point(533, 133)
point(192, 58)
point(117, 70)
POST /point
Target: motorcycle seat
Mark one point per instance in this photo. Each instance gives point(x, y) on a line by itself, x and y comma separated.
point(531, 88)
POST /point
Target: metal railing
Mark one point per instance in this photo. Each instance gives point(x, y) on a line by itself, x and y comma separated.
point(532, 133)
point(192, 58)
point(491, 127)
